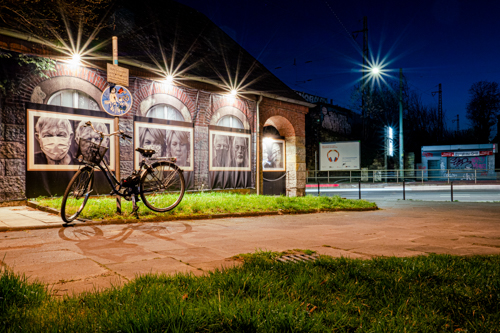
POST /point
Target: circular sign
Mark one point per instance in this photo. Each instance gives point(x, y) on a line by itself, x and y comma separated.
point(116, 100)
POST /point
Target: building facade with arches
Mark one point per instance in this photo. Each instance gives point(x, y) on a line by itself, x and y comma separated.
point(216, 137)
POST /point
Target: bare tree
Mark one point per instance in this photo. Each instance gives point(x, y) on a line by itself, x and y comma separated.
point(483, 108)
point(46, 18)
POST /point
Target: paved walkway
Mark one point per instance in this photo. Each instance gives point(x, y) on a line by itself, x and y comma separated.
point(81, 258)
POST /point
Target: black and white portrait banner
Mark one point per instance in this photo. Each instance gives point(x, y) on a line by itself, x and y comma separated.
point(229, 151)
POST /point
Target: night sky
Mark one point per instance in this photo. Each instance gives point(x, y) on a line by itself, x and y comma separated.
point(452, 42)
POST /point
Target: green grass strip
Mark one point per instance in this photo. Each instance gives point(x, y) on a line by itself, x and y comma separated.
point(436, 293)
point(214, 203)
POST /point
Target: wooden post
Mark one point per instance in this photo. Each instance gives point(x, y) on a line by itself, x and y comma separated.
point(117, 126)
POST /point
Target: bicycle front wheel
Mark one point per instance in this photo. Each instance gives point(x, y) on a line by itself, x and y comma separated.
point(77, 193)
point(162, 186)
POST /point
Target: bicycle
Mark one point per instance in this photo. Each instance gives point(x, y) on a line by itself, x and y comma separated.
point(160, 183)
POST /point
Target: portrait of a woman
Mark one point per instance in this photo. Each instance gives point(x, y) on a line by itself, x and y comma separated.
point(178, 146)
point(153, 138)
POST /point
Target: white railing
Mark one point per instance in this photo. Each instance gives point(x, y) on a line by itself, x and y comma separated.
point(408, 175)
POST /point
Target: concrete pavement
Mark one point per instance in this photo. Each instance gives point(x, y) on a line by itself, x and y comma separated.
point(87, 257)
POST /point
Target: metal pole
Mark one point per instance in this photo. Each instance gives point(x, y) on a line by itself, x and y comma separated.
point(451, 191)
point(117, 127)
point(318, 189)
point(401, 145)
point(386, 139)
point(316, 165)
point(404, 191)
point(475, 176)
point(359, 189)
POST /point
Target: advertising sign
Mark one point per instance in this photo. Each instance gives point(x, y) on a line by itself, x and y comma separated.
point(467, 153)
point(339, 155)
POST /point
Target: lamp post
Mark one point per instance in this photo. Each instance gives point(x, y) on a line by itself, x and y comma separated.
point(377, 72)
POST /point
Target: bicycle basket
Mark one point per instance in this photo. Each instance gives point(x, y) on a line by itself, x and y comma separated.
point(91, 152)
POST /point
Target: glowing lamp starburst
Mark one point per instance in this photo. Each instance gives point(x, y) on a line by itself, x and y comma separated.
point(76, 59)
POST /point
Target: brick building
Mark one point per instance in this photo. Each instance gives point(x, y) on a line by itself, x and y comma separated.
point(197, 102)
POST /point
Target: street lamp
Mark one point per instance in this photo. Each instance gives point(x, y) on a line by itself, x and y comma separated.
point(376, 73)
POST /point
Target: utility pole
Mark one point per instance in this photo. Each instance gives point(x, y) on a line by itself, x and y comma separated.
point(401, 145)
point(364, 68)
point(440, 109)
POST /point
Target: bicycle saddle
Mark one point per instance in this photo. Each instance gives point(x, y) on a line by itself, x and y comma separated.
point(146, 152)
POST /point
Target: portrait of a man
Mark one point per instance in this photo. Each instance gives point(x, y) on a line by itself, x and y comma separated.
point(239, 152)
point(229, 151)
point(220, 151)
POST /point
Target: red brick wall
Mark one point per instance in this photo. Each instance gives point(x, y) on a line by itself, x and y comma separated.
point(295, 114)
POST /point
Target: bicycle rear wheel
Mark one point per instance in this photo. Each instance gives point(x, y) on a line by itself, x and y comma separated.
point(77, 193)
point(162, 187)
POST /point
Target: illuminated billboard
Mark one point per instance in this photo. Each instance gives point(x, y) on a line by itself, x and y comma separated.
point(343, 155)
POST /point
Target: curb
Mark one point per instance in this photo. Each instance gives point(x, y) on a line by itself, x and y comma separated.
point(82, 222)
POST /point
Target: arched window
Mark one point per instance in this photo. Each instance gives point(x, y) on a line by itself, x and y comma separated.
point(165, 111)
point(230, 121)
point(73, 99)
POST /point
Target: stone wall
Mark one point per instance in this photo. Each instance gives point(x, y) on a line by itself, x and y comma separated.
point(12, 150)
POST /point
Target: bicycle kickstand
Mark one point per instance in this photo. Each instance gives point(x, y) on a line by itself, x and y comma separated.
point(135, 207)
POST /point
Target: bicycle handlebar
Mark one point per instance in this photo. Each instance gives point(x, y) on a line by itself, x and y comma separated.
point(119, 132)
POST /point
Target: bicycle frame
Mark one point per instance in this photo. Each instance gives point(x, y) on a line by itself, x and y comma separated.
point(111, 178)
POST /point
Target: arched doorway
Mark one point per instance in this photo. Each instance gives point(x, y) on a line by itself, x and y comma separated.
point(292, 151)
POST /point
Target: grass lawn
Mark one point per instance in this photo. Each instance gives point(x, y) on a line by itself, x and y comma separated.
point(436, 293)
point(214, 203)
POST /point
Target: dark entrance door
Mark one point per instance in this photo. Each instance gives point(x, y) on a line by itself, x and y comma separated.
point(273, 162)
point(275, 183)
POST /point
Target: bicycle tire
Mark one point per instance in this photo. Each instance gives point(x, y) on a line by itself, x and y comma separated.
point(77, 194)
point(162, 187)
